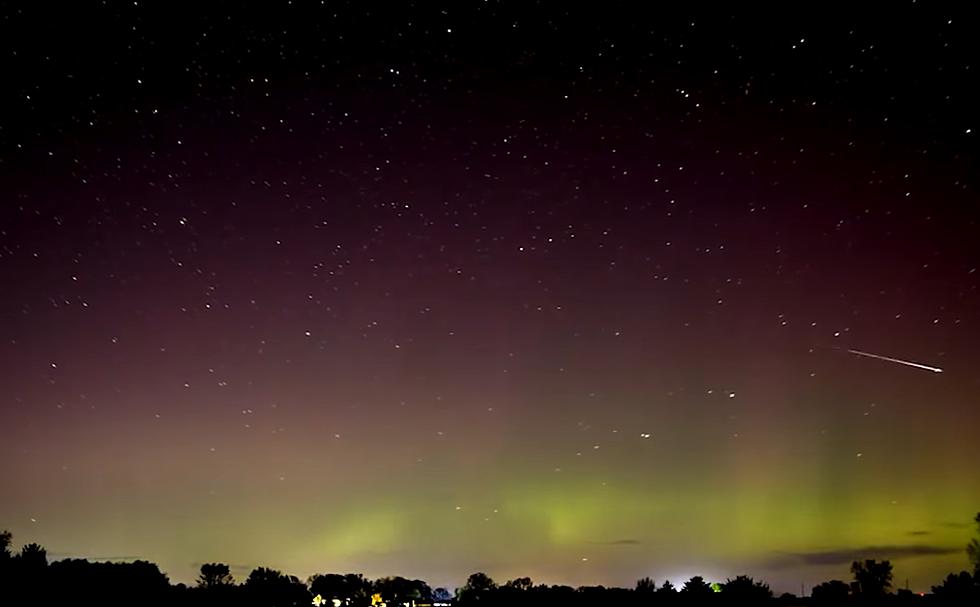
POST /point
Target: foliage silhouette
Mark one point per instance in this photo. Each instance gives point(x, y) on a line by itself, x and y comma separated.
point(268, 587)
point(834, 592)
point(32, 558)
point(5, 540)
point(112, 583)
point(400, 590)
point(696, 587)
point(331, 586)
point(645, 585)
point(27, 579)
point(871, 578)
point(959, 588)
point(973, 548)
point(214, 575)
point(522, 584)
point(478, 589)
point(743, 590)
point(667, 590)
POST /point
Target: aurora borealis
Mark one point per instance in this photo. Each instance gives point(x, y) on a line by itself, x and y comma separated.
point(482, 286)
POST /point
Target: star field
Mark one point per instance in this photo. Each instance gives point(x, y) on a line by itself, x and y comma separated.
point(447, 287)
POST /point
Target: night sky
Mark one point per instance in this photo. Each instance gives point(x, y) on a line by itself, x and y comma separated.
point(426, 290)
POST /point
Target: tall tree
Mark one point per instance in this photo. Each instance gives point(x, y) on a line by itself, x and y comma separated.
point(872, 578)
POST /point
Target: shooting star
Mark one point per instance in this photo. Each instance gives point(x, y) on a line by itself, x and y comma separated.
point(897, 360)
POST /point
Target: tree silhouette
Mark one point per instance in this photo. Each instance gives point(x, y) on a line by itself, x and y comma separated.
point(271, 588)
point(973, 549)
point(401, 590)
point(696, 587)
point(214, 575)
point(109, 584)
point(834, 592)
point(743, 590)
point(961, 588)
point(329, 586)
point(515, 593)
point(521, 583)
point(352, 587)
point(667, 589)
point(5, 539)
point(419, 591)
point(441, 595)
point(645, 585)
point(479, 588)
point(28, 579)
point(33, 557)
point(6, 560)
point(871, 578)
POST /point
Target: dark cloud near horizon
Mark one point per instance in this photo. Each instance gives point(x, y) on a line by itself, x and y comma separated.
point(919, 532)
point(849, 555)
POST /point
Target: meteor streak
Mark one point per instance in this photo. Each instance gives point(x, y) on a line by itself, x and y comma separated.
point(896, 360)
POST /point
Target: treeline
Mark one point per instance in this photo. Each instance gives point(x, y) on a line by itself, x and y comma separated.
point(27, 579)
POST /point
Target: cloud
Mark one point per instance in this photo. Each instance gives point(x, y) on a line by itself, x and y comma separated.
point(919, 533)
point(849, 555)
point(955, 525)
